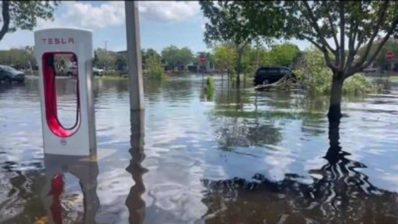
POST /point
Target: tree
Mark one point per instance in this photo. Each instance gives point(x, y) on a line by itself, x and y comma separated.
point(349, 24)
point(255, 57)
point(24, 14)
point(380, 60)
point(284, 54)
point(121, 61)
point(170, 56)
point(228, 22)
point(185, 56)
point(21, 58)
point(154, 66)
point(175, 57)
point(225, 57)
point(147, 54)
point(105, 59)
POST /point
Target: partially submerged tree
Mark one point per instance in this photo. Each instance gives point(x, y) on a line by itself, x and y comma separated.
point(149, 55)
point(228, 23)
point(224, 58)
point(24, 14)
point(350, 25)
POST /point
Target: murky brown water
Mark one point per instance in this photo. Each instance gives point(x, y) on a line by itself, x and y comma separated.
point(241, 157)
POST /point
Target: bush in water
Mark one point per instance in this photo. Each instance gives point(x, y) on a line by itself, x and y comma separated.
point(316, 77)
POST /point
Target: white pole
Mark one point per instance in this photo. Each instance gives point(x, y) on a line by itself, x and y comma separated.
point(134, 60)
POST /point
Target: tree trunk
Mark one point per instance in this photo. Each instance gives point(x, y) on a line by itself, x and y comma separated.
point(238, 67)
point(6, 18)
point(334, 113)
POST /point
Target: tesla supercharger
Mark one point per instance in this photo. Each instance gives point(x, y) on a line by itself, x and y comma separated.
point(74, 48)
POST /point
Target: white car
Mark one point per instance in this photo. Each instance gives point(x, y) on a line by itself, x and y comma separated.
point(72, 71)
point(98, 71)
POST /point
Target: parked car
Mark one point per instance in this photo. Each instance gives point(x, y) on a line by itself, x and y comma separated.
point(72, 71)
point(98, 71)
point(267, 75)
point(369, 70)
point(10, 74)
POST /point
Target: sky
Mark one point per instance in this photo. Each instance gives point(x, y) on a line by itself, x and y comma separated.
point(162, 23)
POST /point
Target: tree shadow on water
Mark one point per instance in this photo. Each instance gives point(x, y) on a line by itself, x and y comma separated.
point(338, 193)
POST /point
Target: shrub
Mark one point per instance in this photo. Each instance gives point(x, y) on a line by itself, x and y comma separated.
point(155, 69)
point(209, 88)
point(316, 77)
point(111, 73)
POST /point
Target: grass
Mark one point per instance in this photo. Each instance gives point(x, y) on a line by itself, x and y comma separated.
point(394, 79)
point(111, 77)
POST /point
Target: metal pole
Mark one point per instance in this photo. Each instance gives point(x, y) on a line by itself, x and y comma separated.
point(134, 60)
point(106, 45)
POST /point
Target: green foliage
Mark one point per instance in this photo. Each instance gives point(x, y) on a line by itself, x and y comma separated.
point(284, 54)
point(380, 61)
point(224, 57)
point(210, 88)
point(224, 24)
point(236, 21)
point(121, 62)
point(227, 23)
point(358, 85)
point(111, 73)
point(18, 57)
point(154, 66)
point(146, 54)
point(173, 56)
point(253, 58)
point(316, 77)
point(105, 59)
point(313, 73)
point(25, 14)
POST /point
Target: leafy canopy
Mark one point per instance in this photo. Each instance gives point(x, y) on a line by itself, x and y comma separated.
point(284, 54)
point(224, 57)
point(174, 56)
point(233, 22)
point(350, 24)
point(24, 14)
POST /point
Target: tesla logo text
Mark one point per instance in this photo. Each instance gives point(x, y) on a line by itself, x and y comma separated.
point(58, 41)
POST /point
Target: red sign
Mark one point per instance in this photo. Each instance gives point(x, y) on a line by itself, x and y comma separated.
point(202, 58)
point(390, 55)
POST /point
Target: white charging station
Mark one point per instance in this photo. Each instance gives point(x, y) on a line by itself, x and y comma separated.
point(77, 46)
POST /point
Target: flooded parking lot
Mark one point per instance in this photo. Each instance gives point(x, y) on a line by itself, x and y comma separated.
point(239, 156)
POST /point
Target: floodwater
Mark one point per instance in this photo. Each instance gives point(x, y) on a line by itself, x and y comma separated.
point(235, 156)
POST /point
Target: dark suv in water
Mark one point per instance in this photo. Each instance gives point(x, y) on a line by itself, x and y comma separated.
point(10, 74)
point(267, 75)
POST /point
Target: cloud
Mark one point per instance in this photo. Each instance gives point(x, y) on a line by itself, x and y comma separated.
point(112, 13)
point(164, 11)
point(106, 14)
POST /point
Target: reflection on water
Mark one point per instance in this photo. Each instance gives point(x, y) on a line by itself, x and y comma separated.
point(60, 205)
point(338, 193)
point(240, 157)
point(134, 202)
